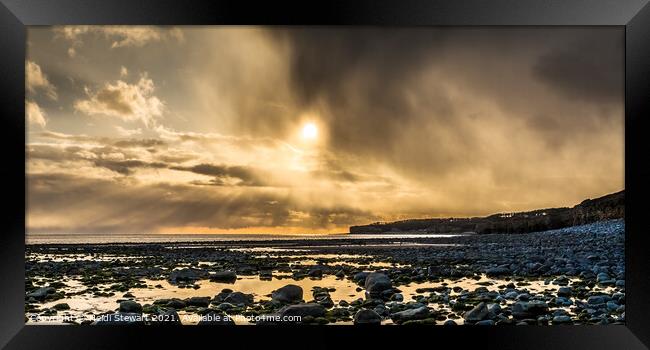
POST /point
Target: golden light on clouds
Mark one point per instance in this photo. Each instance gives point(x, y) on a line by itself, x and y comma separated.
point(311, 130)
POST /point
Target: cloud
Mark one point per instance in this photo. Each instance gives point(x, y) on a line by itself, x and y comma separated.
point(245, 176)
point(588, 68)
point(35, 116)
point(125, 167)
point(110, 206)
point(129, 102)
point(37, 80)
point(413, 122)
point(120, 36)
point(127, 132)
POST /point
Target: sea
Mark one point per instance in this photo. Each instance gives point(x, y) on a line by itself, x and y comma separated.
point(104, 238)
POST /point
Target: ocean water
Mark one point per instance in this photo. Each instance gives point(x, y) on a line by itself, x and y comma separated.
point(78, 238)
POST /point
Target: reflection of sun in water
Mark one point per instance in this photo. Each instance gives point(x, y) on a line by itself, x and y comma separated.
point(309, 131)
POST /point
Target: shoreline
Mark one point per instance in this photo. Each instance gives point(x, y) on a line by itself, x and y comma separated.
point(425, 279)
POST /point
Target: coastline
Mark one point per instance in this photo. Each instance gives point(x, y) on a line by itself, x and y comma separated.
point(571, 275)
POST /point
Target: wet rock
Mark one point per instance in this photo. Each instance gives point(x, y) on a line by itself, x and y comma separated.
point(597, 299)
point(316, 272)
point(198, 301)
point(620, 283)
point(266, 275)
point(130, 306)
point(239, 298)
point(493, 310)
point(169, 316)
point(382, 310)
point(360, 277)
point(224, 276)
point(303, 310)
point(41, 293)
point(530, 309)
point(478, 313)
point(564, 291)
point(523, 297)
point(485, 323)
point(562, 301)
point(377, 282)
point(183, 276)
point(61, 306)
point(367, 317)
point(561, 319)
point(498, 271)
point(226, 306)
point(450, 323)
point(326, 302)
point(561, 281)
point(411, 314)
point(176, 304)
point(288, 294)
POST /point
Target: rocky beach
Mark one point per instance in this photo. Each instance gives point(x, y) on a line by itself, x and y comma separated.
point(572, 275)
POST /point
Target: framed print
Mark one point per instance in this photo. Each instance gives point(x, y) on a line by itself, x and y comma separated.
point(275, 174)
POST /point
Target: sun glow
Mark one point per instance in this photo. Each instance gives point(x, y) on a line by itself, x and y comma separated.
point(309, 131)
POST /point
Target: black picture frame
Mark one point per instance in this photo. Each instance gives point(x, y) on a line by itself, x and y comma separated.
point(634, 15)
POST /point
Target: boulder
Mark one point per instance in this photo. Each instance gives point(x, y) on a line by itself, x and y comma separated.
point(478, 313)
point(176, 304)
point(411, 314)
point(530, 309)
point(238, 298)
point(198, 301)
point(303, 310)
point(224, 276)
point(498, 271)
point(367, 317)
point(130, 306)
point(61, 306)
point(169, 316)
point(564, 291)
point(360, 277)
point(183, 276)
point(377, 282)
point(597, 299)
point(41, 293)
point(288, 294)
point(485, 323)
point(562, 319)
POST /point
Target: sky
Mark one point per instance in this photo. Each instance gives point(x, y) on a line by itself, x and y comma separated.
point(239, 129)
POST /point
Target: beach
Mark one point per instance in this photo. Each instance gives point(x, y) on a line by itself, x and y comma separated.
point(573, 275)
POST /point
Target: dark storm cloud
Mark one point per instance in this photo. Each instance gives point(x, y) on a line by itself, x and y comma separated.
point(246, 175)
point(411, 96)
point(102, 157)
point(125, 167)
point(589, 68)
point(362, 76)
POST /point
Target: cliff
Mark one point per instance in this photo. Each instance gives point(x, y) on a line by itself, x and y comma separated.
point(611, 206)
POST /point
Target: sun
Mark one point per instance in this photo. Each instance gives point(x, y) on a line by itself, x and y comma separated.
point(309, 131)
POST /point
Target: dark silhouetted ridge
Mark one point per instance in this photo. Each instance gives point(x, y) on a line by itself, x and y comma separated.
point(611, 206)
